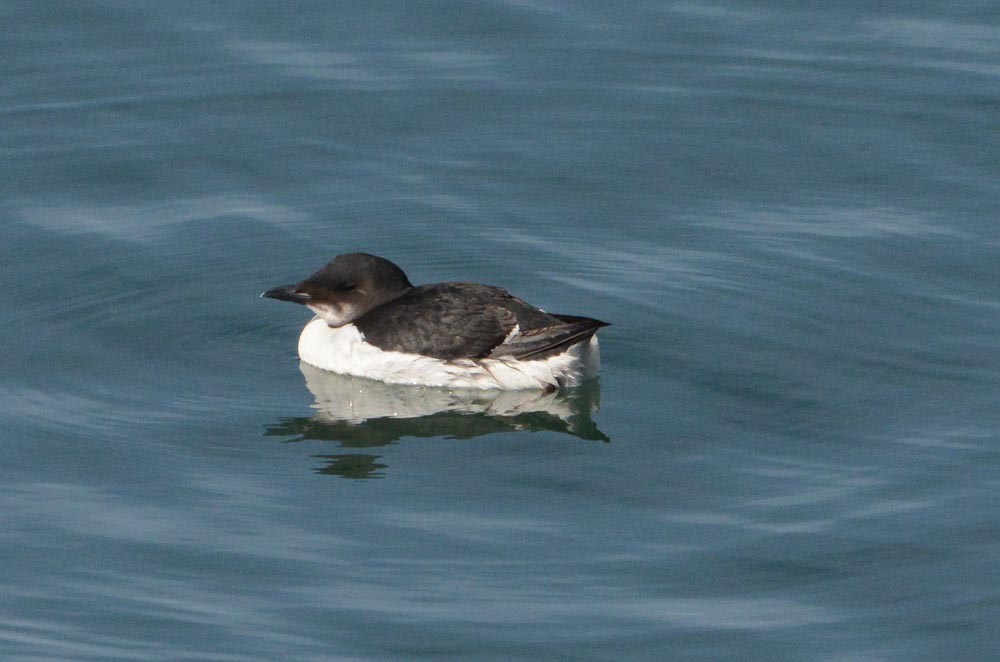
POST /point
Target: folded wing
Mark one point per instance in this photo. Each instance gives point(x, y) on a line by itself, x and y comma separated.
point(546, 341)
point(469, 321)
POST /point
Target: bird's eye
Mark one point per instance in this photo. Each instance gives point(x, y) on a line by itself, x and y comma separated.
point(348, 287)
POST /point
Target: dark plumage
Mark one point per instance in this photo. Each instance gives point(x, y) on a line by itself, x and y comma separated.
point(469, 321)
point(444, 320)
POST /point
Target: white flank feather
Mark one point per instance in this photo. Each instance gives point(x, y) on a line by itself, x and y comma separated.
point(343, 350)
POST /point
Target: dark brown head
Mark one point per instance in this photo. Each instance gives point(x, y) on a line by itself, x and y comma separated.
point(346, 288)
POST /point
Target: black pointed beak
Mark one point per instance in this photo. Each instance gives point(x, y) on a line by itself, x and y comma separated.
point(286, 293)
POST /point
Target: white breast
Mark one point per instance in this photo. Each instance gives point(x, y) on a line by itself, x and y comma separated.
point(344, 350)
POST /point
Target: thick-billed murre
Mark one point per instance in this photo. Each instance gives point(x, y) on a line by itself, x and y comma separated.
point(372, 322)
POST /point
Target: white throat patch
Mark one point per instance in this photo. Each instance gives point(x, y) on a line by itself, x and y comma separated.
point(333, 314)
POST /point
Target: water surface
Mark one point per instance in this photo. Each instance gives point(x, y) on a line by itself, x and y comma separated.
point(787, 212)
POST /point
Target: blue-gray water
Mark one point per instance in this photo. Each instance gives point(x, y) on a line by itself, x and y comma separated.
point(787, 210)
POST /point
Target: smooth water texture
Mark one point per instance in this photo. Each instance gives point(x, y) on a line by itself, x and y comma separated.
point(788, 211)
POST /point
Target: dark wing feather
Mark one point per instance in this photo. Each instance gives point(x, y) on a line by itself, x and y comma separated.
point(468, 321)
point(549, 340)
point(446, 320)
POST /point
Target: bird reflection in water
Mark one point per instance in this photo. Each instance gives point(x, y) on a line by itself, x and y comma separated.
point(361, 413)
